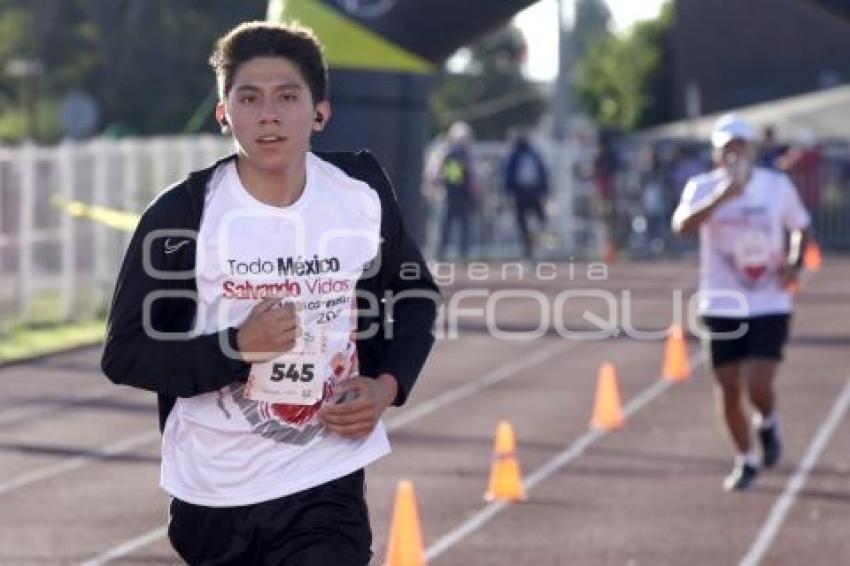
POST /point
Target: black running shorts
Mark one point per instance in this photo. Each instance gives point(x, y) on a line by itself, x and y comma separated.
point(328, 524)
point(763, 337)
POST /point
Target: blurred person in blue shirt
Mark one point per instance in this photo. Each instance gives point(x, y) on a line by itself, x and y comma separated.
point(527, 183)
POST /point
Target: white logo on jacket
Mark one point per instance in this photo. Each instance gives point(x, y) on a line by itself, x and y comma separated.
point(171, 248)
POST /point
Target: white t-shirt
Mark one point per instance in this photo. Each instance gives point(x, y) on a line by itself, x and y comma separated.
point(742, 244)
point(228, 448)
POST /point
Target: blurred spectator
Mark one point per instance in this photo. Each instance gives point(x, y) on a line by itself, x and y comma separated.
point(527, 183)
point(803, 164)
point(606, 165)
point(653, 203)
point(432, 183)
point(458, 179)
point(585, 201)
point(686, 164)
point(769, 151)
point(432, 189)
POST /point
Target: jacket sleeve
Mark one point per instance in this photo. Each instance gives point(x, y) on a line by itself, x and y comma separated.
point(410, 293)
point(149, 343)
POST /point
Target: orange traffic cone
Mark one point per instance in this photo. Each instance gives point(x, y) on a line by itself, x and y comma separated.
point(812, 258)
point(607, 413)
point(676, 367)
point(405, 542)
point(505, 476)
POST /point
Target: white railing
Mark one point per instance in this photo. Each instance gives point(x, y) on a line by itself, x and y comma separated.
point(64, 215)
point(58, 263)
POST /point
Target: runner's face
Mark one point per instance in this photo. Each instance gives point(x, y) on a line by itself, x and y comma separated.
point(735, 150)
point(271, 113)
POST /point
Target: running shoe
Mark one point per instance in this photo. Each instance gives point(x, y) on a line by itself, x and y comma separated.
point(741, 477)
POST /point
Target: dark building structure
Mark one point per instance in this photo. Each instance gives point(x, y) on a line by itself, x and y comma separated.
point(730, 53)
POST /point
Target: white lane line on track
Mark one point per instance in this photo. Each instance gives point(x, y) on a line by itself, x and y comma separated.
point(128, 547)
point(54, 470)
point(492, 377)
point(783, 505)
point(570, 453)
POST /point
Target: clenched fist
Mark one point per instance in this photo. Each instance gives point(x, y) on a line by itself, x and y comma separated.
point(270, 330)
point(358, 405)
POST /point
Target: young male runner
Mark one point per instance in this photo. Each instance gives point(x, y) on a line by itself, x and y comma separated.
point(237, 303)
point(742, 214)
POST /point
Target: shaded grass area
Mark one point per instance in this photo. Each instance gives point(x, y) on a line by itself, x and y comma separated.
point(23, 342)
point(45, 327)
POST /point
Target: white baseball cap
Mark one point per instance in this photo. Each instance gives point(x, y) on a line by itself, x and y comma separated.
point(460, 132)
point(731, 127)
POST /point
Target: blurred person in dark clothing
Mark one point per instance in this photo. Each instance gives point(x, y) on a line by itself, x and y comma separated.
point(769, 150)
point(803, 164)
point(686, 165)
point(527, 183)
point(458, 177)
point(606, 166)
point(652, 198)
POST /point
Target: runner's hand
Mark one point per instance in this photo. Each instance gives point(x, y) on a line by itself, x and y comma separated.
point(789, 276)
point(363, 401)
point(270, 330)
point(739, 170)
point(731, 190)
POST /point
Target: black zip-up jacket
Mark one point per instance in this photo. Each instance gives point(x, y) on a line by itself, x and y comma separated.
point(156, 289)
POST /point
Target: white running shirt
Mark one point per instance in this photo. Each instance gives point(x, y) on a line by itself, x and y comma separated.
point(225, 448)
point(742, 243)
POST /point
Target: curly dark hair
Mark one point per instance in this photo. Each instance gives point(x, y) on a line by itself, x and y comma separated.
point(291, 40)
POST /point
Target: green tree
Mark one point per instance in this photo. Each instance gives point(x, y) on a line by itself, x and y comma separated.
point(153, 71)
point(491, 94)
point(623, 81)
point(144, 61)
point(47, 35)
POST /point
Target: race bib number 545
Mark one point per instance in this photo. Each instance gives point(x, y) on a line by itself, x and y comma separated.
point(294, 378)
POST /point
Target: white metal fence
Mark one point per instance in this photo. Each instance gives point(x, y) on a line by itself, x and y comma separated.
point(55, 265)
point(60, 253)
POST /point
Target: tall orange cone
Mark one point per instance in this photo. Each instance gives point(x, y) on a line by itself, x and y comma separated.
point(676, 367)
point(405, 543)
point(812, 258)
point(505, 475)
point(607, 412)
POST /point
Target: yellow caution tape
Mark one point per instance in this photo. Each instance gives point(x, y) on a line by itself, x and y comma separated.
point(117, 219)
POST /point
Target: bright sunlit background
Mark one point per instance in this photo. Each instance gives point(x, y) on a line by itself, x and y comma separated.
point(539, 24)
